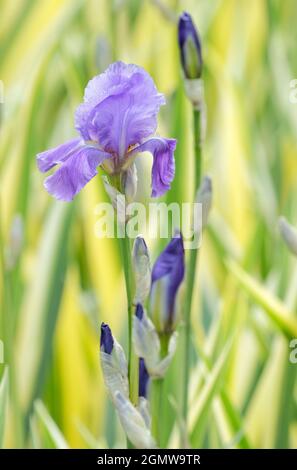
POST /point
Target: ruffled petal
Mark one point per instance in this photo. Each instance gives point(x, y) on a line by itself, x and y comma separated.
point(163, 164)
point(48, 159)
point(120, 108)
point(75, 172)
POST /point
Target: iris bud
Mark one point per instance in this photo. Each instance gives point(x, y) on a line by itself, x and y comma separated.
point(143, 373)
point(117, 200)
point(113, 363)
point(106, 339)
point(147, 345)
point(135, 422)
point(143, 378)
point(190, 47)
point(167, 276)
point(129, 182)
point(142, 270)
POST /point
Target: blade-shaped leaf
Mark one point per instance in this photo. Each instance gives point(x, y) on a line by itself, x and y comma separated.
point(275, 309)
point(212, 385)
point(44, 429)
point(41, 306)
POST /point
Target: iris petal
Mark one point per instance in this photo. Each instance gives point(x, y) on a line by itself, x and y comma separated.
point(48, 159)
point(163, 164)
point(75, 172)
point(120, 108)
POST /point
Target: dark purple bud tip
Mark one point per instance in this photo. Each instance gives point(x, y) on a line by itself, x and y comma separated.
point(190, 47)
point(106, 339)
point(143, 379)
point(139, 311)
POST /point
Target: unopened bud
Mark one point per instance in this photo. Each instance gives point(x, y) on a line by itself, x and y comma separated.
point(190, 47)
point(113, 363)
point(147, 346)
point(134, 423)
point(129, 182)
point(117, 200)
point(167, 276)
point(142, 270)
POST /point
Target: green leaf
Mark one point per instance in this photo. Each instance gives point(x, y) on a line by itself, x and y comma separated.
point(275, 309)
point(45, 432)
point(41, 306)
point(211, 388)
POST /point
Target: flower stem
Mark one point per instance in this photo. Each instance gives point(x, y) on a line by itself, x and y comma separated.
point(157, 392)
point(191, 270)
point(125, 248)
point(133, 360)
point(197, 146)
point(156, 403)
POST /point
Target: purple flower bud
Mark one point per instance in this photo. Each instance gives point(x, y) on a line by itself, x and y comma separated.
point(190, 47)
point(106, 339)
point(143, 373)
point(167, 275)
point(143, 379)
point(139, 311)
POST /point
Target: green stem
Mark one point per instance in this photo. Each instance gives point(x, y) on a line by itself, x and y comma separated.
point(133, 360)
point(156, 407)
point(157, 392)
point(197, 147)
point(125, 248)
point(191, 270)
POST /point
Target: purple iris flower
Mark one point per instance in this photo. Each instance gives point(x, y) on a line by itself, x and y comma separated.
point(190, 47)
point(167, 275)
point(143, 373)
point(106, 339)
point(116, 121)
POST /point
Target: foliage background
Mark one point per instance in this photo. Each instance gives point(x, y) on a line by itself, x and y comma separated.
point(58, 281)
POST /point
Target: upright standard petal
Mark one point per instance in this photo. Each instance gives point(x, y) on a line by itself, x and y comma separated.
point(75, 171)
point(120, 108)
point(163, 162)
point(167, 275)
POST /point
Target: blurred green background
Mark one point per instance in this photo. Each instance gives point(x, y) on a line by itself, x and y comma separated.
point(58, 281)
